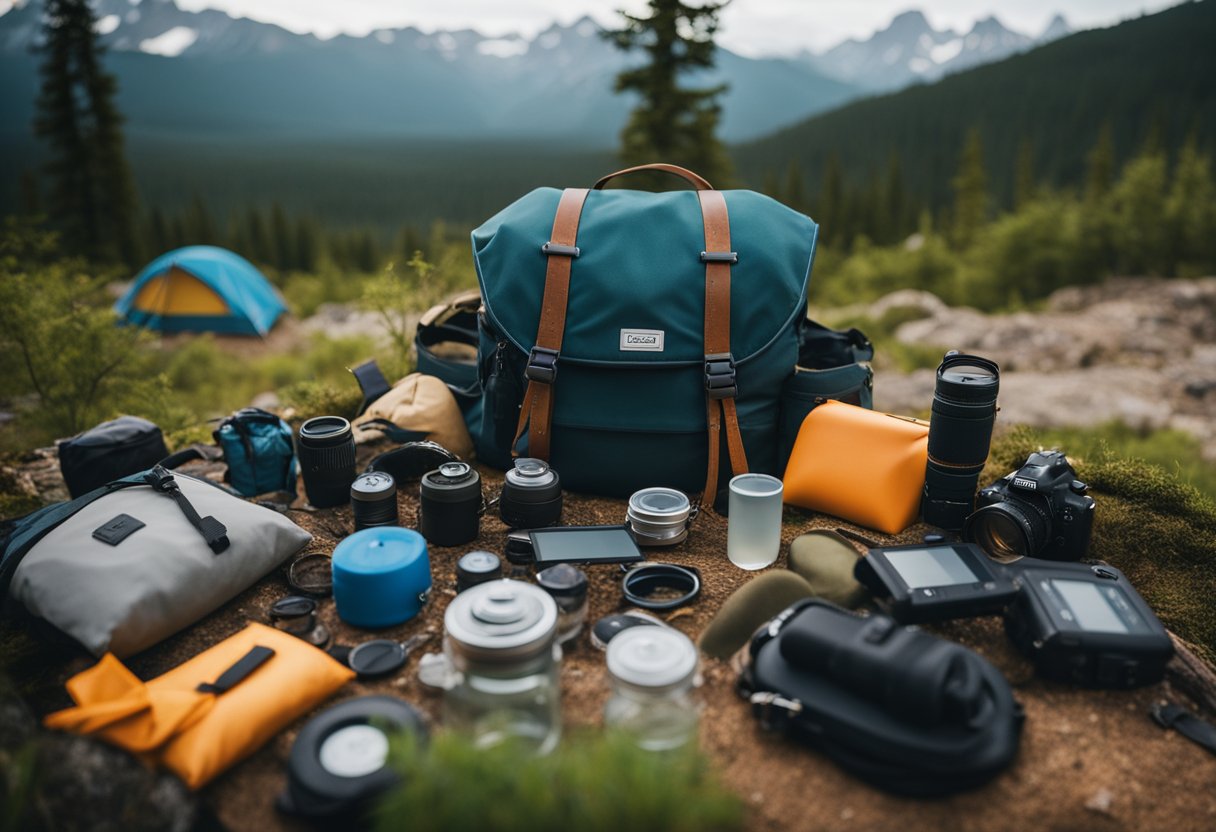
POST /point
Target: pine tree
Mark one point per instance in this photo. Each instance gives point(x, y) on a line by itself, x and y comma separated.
point(1190, 212)
point(91, 197)
point(831, 208)
point(282, 255)
point(770, 186)
point(896, 199)
point(260, 250)
point(200, 227)
point(1024, 185)
point(29, 198)
point(794, 194)
point(970, 190)
point(158, 239)
point(307, 245)
point(1100, 166)
point(672, 123)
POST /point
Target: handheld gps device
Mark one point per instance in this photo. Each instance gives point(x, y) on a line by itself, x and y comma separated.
point(935, 582)
point(1086, 624)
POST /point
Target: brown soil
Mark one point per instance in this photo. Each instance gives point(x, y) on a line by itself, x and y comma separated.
point(1089, 760)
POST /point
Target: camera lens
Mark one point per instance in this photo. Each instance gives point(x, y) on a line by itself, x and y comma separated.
point(450, 504)
point(373, 500)
point(326, 447)
point(1008, 530)
point(960, 431)
point(531, 495)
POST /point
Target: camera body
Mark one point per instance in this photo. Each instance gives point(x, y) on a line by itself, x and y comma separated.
point(1087, 625)
point(1040, 510)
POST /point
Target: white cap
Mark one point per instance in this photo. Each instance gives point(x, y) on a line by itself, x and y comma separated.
point(652, 657)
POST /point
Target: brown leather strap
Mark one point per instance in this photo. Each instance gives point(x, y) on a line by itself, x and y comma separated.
point(696, 180)
point(717, 341)
point(536, 414)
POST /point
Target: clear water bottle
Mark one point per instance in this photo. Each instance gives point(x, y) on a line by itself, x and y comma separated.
point(653, 671)
point(500, 640)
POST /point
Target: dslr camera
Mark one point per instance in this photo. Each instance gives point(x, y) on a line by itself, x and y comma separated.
point(1040, 510)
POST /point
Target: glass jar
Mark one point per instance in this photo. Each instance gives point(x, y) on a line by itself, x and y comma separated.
point(500, 641)
point(653, 671)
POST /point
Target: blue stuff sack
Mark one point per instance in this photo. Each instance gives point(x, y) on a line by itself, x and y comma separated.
point(258, 449)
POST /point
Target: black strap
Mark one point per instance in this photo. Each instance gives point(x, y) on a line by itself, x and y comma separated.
point(207, 453)
point(1170, 715)
point(212, 530)
point(392, 431)
point(233, 676)
point(821, 348)
point(371, 381)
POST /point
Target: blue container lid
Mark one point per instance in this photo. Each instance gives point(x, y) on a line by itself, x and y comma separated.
point(381, 576)
point(380, 549)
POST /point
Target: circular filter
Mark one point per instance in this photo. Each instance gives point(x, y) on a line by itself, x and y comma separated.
point(311, 574)
point(376, 658)
point(354, 751)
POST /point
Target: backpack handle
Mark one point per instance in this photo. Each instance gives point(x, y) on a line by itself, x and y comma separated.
point(697, 181)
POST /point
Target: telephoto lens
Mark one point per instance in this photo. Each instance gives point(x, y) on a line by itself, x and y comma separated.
point(373, 500)
point(960, 432)
point(531, 495)
point(450, 498)
point(326, 448)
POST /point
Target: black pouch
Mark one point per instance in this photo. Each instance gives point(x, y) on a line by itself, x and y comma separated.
point(905, 711)
point(830, 367)
point(110, 451)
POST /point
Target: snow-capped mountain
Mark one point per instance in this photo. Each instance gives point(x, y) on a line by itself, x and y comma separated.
point(910, 50)
point(203, 70)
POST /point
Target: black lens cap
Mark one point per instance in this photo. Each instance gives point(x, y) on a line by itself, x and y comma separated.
point(293, 606)
point(376, 658)
point(477, 567)
point(608, 626)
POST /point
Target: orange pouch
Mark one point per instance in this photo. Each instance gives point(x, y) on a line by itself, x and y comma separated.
point(859, 465)
point(209, 713)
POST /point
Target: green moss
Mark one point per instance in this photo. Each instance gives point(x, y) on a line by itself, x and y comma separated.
point(1159, 530)
point(591, 783)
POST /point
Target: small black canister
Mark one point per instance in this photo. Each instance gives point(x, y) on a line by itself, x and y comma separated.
point(373, 500)
point(531, 495)
point(476, 568)
point(450, 498)
point(326, 448)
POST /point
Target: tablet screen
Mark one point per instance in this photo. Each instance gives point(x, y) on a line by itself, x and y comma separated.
point(584, 544)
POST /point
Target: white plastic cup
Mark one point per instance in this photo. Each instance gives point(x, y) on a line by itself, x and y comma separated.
point(753, 534)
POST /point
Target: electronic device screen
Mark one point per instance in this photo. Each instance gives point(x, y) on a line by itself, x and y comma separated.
point(938, 566)
point(1090, 609)
point(584, 544)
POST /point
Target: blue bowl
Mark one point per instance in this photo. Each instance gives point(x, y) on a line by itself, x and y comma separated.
point(381, 576)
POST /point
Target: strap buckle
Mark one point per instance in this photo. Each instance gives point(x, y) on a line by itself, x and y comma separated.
point(720, 382)
point(542, 365)
point(774, 710)
point(161, 480)
point(560, 250)
point(719, 257)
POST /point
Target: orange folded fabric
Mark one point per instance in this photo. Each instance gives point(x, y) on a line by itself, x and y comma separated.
point(859, 465)
point(197, 735)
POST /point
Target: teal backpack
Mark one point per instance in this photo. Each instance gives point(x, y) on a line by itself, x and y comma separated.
point(638, 339)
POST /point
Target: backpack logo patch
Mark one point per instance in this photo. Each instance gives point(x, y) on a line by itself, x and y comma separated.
point(641, 340)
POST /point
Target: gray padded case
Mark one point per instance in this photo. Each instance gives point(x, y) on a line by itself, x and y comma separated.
point(161, 578)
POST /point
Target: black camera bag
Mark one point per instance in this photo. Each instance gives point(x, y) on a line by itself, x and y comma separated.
point(110, 451)
point(922, 755)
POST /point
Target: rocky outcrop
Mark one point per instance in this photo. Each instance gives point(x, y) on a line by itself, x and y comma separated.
point(1141, 351)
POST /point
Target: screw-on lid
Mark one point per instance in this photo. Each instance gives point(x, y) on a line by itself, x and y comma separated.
point(500, 622)
point(652, 657)
point(531, 481)
point(967, 378)
point(563, 580)
point(476, 568)
point(325, 431)
point(372, 486)
point(451, 482)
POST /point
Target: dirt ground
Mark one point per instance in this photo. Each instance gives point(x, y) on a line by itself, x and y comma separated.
point(1088, 760)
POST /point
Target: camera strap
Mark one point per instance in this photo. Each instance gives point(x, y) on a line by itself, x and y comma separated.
point(1171, 715)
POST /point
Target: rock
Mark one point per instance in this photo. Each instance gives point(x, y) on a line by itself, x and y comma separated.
point(1100, 802)
point(268, 400)
point(926, 302)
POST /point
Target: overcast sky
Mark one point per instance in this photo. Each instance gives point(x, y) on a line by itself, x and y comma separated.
point(749, 26)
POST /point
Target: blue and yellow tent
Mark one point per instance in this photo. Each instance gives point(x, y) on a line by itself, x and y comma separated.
point(202, 289)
